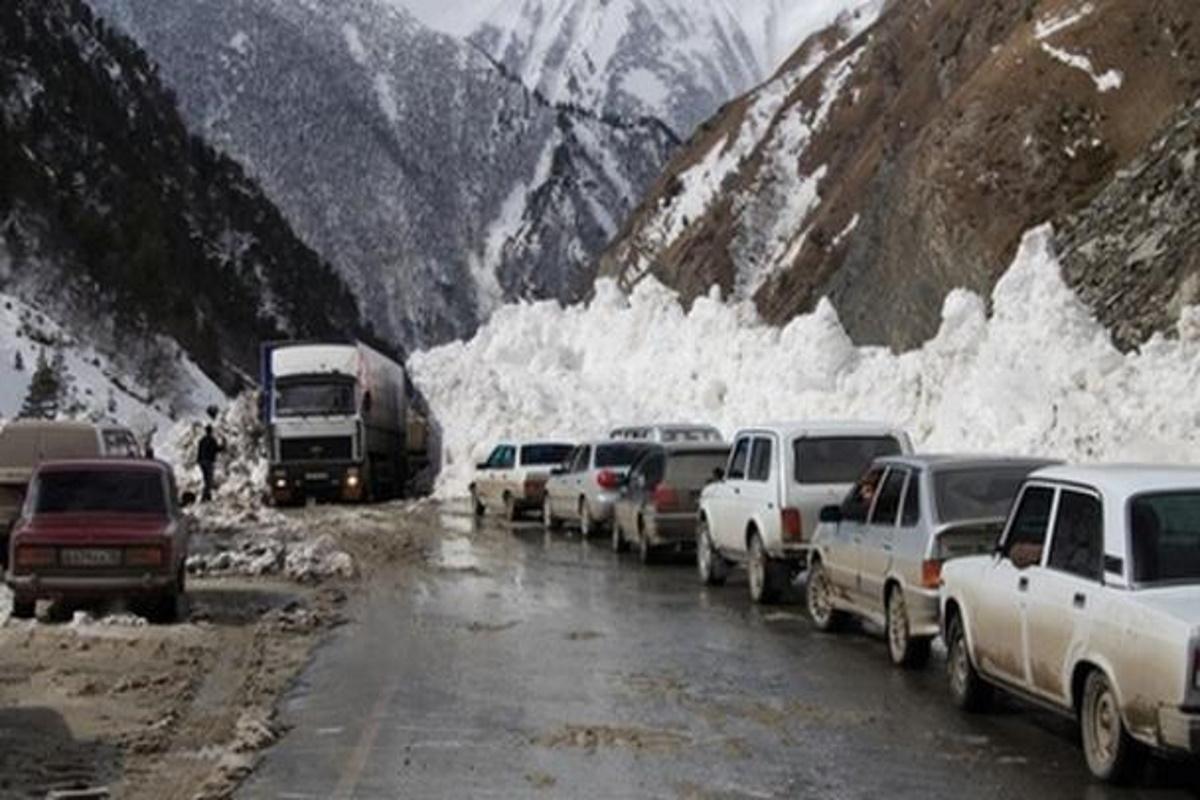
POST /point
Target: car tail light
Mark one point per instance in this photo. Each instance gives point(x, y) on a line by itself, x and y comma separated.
point(665, 497)
point(792, 525)
point(931, 573)
point(607, 479)
point(144, 556)
point(36, 557)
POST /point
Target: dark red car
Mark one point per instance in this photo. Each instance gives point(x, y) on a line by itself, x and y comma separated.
point(97, 530)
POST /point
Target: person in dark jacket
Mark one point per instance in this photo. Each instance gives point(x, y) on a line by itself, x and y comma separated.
point(206, 457)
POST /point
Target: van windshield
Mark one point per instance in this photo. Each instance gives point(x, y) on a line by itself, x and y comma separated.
point(1165, 537)
point(839, 459)
point(314, 398)
point(128, 491)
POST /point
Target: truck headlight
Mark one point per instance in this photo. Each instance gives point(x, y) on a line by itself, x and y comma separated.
point(352, 479)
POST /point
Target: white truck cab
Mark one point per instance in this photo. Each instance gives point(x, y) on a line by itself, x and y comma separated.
point(764, 508)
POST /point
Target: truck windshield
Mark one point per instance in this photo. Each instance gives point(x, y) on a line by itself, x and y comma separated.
point(325, 398)
point(839, 459)
point(131, 491)
point(544, 455)
point(976, 493)
point(1165, 537)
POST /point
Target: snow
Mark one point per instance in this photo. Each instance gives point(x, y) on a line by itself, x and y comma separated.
point(1050, 25)
point(646, 86)
point(1105, 82)
point(240, 43)
point(354, 43)
point(386, 98)
point(1040, 376)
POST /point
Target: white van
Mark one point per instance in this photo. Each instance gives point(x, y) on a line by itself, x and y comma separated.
point(763, 508)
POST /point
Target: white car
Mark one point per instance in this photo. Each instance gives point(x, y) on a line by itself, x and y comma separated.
point(669, 433)
point(764, 508)
point(513, 479)
point(1091, 606)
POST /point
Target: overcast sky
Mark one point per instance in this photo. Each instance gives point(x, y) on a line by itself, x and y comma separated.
point(453, 16)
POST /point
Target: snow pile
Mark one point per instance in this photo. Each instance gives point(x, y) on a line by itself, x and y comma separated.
point(81, 620)
point(1040, 376)
point(318, 560)
point(277, 546)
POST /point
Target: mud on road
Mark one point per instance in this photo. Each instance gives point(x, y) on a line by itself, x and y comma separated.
point(100, 700)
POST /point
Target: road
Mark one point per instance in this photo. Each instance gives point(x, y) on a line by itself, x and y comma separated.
point(531, 665)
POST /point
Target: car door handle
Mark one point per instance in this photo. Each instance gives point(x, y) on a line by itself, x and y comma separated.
point(1080, 600)
point(1023, 584)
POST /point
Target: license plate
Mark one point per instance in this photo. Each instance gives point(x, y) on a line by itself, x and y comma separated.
point(91, 557)
point(316, 476)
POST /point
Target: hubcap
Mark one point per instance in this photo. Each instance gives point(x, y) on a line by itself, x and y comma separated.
point(1106, 727)
point(818, 602)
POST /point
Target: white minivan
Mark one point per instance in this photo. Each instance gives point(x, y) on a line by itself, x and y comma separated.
point(764, 506)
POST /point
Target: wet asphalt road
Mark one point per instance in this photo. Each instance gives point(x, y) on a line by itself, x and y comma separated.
point(541, 666)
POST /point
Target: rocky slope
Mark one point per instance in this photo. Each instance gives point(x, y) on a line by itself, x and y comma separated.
point(130, 231)
point(435, 183)
point(678, 60)
point(892, 160)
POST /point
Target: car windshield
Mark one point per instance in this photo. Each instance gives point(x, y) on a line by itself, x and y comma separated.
point(695, 469)
point(129, 491)
point(544, 455)
point(617, 455)
point(1165, 537)
point(313, 399)
point(976, 493)
point(839, 459)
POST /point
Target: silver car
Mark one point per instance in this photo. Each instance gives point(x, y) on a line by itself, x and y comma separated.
point(878, 556)
point(587, 486)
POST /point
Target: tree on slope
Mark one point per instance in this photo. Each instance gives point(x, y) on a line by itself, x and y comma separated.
point(45, 389)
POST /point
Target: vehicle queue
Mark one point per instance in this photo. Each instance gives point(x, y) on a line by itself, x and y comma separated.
point(1076, 589)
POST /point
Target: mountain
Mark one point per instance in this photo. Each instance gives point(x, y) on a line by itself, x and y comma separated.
point(125, 236)
point(886, 164)
point(434, 182)
point(678, 60)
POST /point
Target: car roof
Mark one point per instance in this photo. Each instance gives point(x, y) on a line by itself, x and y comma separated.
point(104, 465)
point(934, 462)
point(825, 428)
point(1120, 480)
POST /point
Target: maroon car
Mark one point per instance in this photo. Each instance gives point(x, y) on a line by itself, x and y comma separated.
point(97, 530)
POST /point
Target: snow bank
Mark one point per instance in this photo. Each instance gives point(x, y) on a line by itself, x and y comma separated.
point(1040, 376)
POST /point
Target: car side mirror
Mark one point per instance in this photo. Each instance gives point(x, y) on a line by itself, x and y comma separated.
point(718, 474)
point(187, 499)
point(831, 514)
point(483, 466)
point(558, 471)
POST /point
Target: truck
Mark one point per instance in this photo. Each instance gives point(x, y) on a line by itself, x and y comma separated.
point(338, 423)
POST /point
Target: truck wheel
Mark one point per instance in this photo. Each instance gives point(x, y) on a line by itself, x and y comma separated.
point(709, 562)
point(820, 600)
point(766, 584)
point(969, 691)
point(1112, 754)
point(23, 609)
point(905, 650)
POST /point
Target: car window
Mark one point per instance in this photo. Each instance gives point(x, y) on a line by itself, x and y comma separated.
point(760, 460)
point(583, 459)
point(1027, 533)
point(888, 504)
point(493, 459)
point(618, 455)
point(1077, 546)
point(973, 493)
point(508, 457)
point(739, 459)
point(542, 455)
point(653, 468)
point(858, 501)
point(839, 459)
point(1165, 538)
point(99, 491)
point(695, 469)
point(911, 514)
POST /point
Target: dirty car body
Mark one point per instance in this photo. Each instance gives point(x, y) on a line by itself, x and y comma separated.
point(586, 487)
point(513, 478)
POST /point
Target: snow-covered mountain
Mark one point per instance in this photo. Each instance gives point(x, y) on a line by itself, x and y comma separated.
point(678, 60)
point(434, 182)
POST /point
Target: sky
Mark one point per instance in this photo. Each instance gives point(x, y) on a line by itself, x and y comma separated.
point(458, 17)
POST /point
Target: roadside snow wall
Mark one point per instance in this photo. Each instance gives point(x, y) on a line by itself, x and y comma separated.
point(1040, 376)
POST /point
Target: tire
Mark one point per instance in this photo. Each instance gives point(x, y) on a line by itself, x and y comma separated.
point(968, 690)
point(23, 609)
point(646, 553)
point(709, 562)
point(551, 522)
point(766, 584)
point(619, 545)
point(1113, 756)
point(819, 597)
point(477, 506)
point(904, 649)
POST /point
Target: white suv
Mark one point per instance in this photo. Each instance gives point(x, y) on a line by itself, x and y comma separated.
point(764, 507)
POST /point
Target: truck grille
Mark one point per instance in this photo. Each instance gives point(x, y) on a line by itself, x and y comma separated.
point(317, 448)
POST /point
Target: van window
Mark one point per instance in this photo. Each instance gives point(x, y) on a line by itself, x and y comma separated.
point(1027, 534)
point(760, 460)
point(839, 459)
point(1078, 543)
point(888, 503)
point(741, 456)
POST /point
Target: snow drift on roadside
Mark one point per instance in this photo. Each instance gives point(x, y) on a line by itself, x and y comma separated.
point(1040, 376)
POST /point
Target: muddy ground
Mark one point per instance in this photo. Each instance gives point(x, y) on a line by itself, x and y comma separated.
point(96, 699)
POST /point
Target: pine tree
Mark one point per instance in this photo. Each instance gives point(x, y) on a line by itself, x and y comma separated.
point(41, 402)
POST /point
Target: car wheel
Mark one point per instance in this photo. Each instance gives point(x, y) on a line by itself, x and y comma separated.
point(551, 522)
point(969, 691)
point(1112, 754)
point(645, 549)
point(477, 507)
point(905, 651)
point(764, 573)
point(619, 545)
point(23, 609)
point(820, 600)
point(711, 566)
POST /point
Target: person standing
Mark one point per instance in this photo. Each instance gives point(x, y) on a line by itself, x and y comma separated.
point(206, 457)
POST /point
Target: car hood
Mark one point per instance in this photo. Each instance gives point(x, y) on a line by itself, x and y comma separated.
point(86, 526)
point(1181, 602)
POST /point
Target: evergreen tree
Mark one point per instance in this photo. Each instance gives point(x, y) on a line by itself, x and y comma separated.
point(45, 389)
